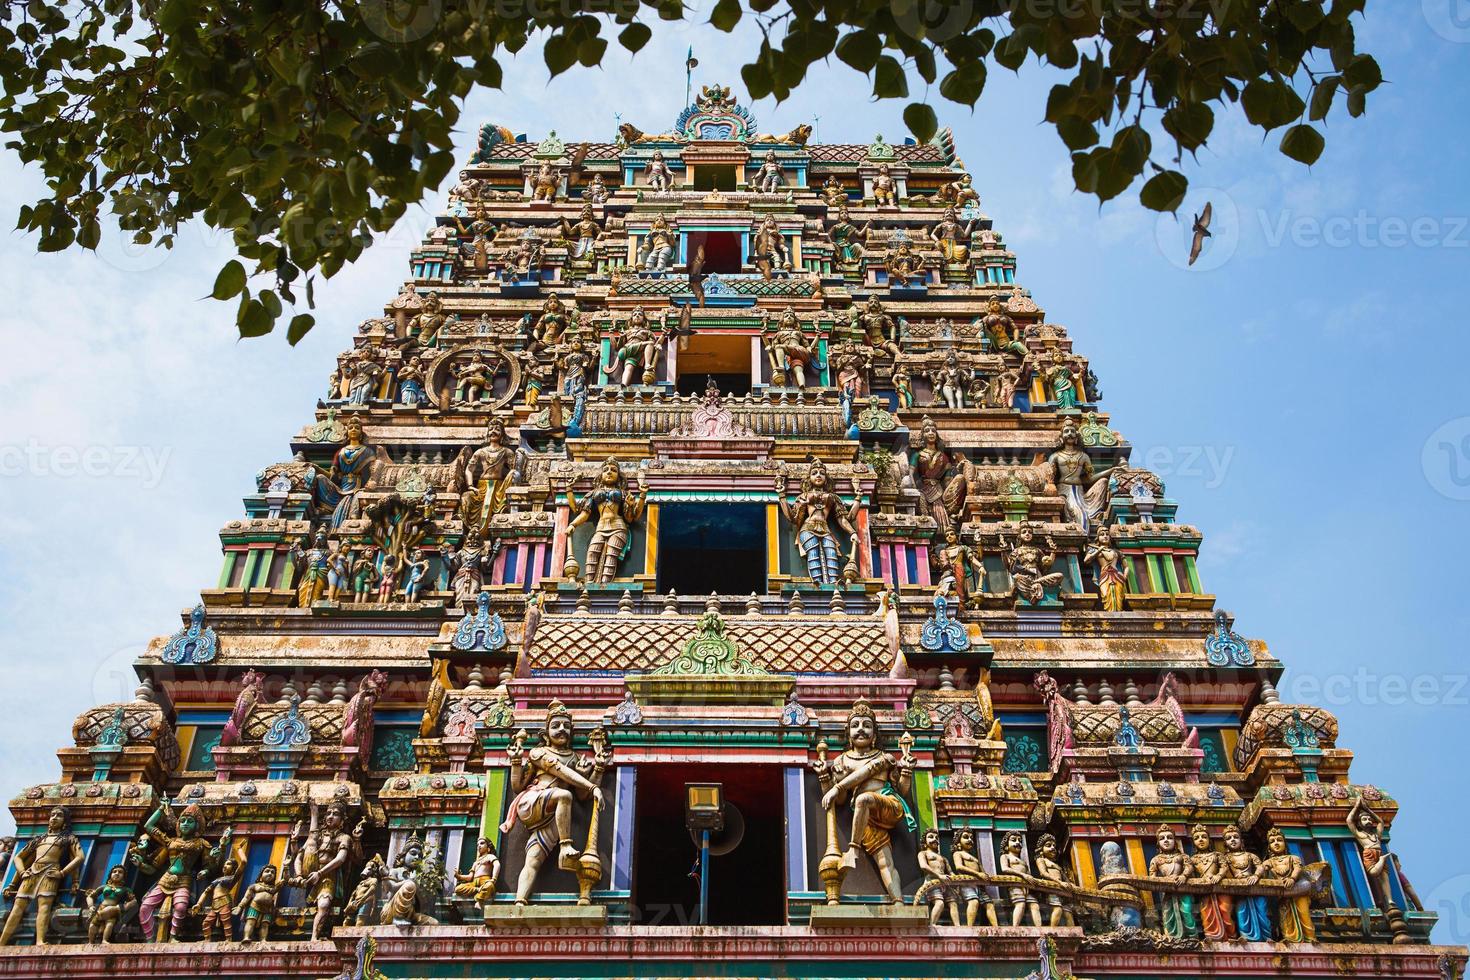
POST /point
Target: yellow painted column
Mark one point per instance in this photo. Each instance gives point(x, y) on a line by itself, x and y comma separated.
point(1138, 864)
point(773, 540)
point(650, 541)
point(1082, 864)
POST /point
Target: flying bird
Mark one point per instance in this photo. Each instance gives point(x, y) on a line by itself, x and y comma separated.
point(1201, 231)
point(574, 169)
point(696, 274)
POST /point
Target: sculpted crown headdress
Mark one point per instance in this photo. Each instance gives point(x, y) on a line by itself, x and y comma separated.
point(556, 709)
point(861, 709)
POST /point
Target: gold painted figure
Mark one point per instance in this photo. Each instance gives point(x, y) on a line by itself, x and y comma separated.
point(885, 188)
point(479, 882)
point(874, 783)
point(546, 780)
point(1112, 583)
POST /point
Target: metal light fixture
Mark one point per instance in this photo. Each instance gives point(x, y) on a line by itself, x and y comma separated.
point(704, 806)
point(704, 811)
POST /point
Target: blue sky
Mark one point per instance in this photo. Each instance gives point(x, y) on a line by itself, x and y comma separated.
point(1301, 391)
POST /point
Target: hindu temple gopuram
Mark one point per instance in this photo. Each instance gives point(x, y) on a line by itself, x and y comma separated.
point(711, 561)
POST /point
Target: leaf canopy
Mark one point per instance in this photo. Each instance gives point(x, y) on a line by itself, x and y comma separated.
point(306, 129)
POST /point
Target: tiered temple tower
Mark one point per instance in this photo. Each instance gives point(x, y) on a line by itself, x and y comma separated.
point(710, 486)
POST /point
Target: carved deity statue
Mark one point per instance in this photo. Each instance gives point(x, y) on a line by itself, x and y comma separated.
point(952, 382)
point(877, 327)
point(415, 873)
point(789, 349)
point(1083, 489)
point(937, 880)
point(322, 853)
point(873, 783)
point(41, 867)
point(768, 247)
point(885, 188)
point(1176, 909)
point(546, 779)
point(660, 177)
point(476, 238)
point(904, 264)
point(596, 191)
point(1216, 909)
point(1112, 581)
point(178, 856)
point(659, 246)
point(1013, 862)
point(258, 904)
point(816, 508)
point(849, 241)
point(1000, 330)
point(1049, 868)
point(1382, 865)
point(488, 473)
point(767, 179)
point(967, 889)
point(952, 237)
point(109, 903)
point(636, 351)
point(479, 882)
point(1294, 912)
point(582, 235)
point(524, 259)
point(959, 192)
point(545, 183)
point(1028, 564)
point(956, 561)
point(833, 193)
point(616, 509)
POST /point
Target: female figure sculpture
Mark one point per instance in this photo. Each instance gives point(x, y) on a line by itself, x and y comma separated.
point(178, 857)
point(1028, 564)
point(351, 468)
point(410, 877)
point(932, 465)
point(1294, 912)
point(1176, 909)
point(956, 560)
point(850, 241)
point(1252, 916)
point(1217, 918)
point(874, 783)
point(1083, 489)
point(616, 509)
point(813, 513)
point(583, 234)
point(952, 381)
point(1112, 583)
point(952, 237)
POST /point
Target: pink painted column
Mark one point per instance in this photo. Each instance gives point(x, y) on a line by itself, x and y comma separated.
point(922, 552)
point(559, 540)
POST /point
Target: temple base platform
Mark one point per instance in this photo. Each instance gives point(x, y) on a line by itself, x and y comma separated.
point(857, 949)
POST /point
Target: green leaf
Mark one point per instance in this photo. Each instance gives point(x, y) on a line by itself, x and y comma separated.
point(965, 83)
point(1164, 192)
point(230, 281)
point(253, 320)
point(1321, 102)
point(1303, 144)
point(300, 324)
point(921, 121)
point(1076, 132)
point(1190, 124)
point(889, 81)
point(635, 36)
point(860, 50)
point(725, 15)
